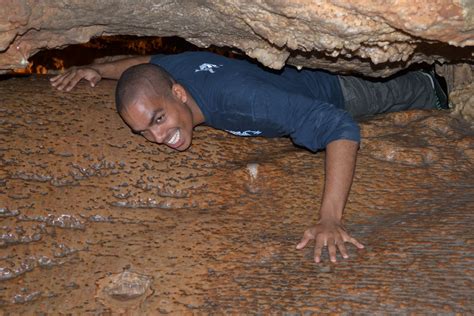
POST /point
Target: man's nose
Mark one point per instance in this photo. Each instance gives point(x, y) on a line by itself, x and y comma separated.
point(158, 135)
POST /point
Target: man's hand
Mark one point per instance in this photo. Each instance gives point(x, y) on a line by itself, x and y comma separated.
point(331, 234)
point(328, 231)
point(72, 76)
point(96, 72)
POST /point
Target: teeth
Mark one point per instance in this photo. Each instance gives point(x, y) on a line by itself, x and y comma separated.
point(174, 139)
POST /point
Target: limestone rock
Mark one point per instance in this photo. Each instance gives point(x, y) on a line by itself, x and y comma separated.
point(125, 291)
point(463, 102)
point(227, 246)
point(373, 37)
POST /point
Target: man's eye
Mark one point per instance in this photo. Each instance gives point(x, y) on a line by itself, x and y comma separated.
point(159, 119)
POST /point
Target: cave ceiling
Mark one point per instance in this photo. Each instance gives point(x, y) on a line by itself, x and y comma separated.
point(371, 37)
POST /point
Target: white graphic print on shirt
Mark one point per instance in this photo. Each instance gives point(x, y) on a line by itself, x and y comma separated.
point(245, 133)
point(208, 67)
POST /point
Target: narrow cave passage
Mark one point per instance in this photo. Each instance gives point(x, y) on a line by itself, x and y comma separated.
point(104, 48)
point(96, 219)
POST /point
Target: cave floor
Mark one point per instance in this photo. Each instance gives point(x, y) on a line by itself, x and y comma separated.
point(95, 219)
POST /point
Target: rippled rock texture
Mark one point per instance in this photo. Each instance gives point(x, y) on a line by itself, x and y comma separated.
point(376, 38)
point(94, 219)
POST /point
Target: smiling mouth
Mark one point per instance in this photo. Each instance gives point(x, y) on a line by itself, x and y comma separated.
point(175, 139)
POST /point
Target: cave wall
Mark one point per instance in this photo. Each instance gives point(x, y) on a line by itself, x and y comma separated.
point(372, 37)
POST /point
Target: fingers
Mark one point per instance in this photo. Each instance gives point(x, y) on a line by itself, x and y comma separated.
point(68, 80)
point(72, 82)
point(342, 249)
point(58, 78)
point(94, 80)
point(356, 243)
point(318, 248)
point(61, 81)
point(334, 240)
point(333, 244)
point(306, 238)
point(347, 238)
point(332, 250)
point(53, 79)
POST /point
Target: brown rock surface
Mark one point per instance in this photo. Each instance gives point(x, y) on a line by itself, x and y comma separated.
point(373, 37)
point(214, 229)
point(463, 102)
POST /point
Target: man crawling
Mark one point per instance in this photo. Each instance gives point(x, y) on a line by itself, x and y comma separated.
point(163, 97)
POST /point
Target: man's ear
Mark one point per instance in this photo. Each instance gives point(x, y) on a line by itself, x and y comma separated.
point(179, 92)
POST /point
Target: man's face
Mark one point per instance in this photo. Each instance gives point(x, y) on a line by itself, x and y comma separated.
point(163, 120)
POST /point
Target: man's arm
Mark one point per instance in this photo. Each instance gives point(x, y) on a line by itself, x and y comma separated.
point(328, 231)
point(316, 125)
point(95, 72)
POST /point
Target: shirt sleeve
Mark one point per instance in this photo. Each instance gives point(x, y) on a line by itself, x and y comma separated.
point(318, 123)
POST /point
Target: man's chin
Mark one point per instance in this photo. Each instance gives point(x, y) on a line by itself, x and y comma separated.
point(181, 147)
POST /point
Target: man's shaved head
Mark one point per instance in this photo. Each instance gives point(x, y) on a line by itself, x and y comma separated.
point(139, 80)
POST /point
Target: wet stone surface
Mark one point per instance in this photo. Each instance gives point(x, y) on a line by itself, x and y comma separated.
point(214, 229)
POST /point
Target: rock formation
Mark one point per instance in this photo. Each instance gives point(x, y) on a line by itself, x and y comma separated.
point(372, 37)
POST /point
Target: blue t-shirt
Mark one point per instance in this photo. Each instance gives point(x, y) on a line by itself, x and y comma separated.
point(247, 100)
